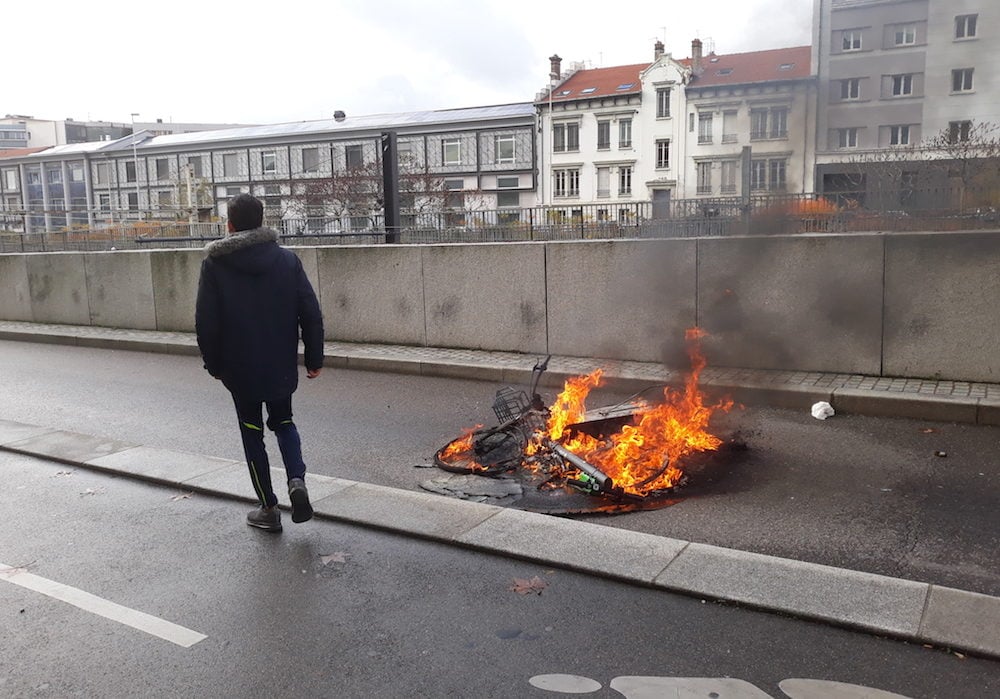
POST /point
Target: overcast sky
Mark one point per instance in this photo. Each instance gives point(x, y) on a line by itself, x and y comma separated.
point(293, 60)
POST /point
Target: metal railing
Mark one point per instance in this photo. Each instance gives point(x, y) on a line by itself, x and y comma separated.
point(761, 214)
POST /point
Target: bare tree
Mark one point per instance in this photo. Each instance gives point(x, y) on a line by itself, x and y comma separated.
point(970, 153)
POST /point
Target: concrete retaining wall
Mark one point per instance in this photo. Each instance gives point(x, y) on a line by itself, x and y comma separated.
point(921, 305)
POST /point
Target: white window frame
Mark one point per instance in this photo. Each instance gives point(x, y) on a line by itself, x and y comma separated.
point(963, 78)
point(730, 169)
point(851, 40)
point(625, 133)
point(663, 154)
point(625, 180)
point(905, 35)
point(451, 151)
point(603, 134)
point(899, 135)
point(850, 89)
point(901, 85)
point(663, 102)
point(704, 128)
point(230, 164)
point(565, 182)
point(314, 166)
point(269, 162)
point(76, 172)
point(847, 137)
point(704, 177)
point(502, 144)
point(966, 26)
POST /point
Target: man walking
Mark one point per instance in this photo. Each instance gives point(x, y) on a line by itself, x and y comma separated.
point(253, 300)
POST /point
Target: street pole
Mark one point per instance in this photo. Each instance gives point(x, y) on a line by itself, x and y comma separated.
point(135, 165)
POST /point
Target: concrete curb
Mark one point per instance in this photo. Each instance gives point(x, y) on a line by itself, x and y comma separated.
point(899, 608)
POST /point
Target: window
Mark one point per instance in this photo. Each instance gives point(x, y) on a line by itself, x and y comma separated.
point(503, 150)
point(508, 199)
point(625, 179)
point(233, 191)
point(902, 85)
point(10, 180)
point(905, 35)
point(779, 122)
point(230, 165)
point(566, 182)
point(104, 202)
point(133, 201)
point(603, 135)
point(34, 176)
point(705, 127)
point(850, 89)
point(55, 176)
point(272, 196)
point(354, 156)
point(603, 182)
point(965, 26)
point(847, 138)
point(101, 173)
point(162, 168)
point(959, 131)
point(730, 168)
point(129, 171)
point(663, 103)
point(961, 80)
point(508, 182)
point(624, 133)
point(851, 40)
point(776, 175)
point(268, 162)
point(729, 134)
point(758, 174)
point(663, 154)
point(899, 135)
point(76, 172)
point(566, 137)
point(758, 123)
point(195, 166)
point(310, 159)
point(164, 199)
point(704, 178)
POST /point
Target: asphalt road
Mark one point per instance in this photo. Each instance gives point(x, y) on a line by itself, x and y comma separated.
point(855, 492)
point(332, 610)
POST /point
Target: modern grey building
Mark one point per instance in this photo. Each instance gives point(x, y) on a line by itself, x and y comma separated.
point(464, 159)
point(894, 75)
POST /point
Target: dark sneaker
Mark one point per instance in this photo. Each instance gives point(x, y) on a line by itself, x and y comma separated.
point(266, 518)
point(302, 511)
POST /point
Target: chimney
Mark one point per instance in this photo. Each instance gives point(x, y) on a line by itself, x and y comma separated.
point(555, 66)
point(657, 50)
point(696, 57)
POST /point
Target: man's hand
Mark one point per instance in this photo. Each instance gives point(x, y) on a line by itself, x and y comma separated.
point(313, 373)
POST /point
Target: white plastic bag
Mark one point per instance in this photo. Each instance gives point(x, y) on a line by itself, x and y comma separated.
point(822, 410)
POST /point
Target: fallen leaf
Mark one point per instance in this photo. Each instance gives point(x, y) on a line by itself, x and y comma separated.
point(336, 557)
point(181, 496)
point(960, 656)
point(927, 430)
point(525, 587)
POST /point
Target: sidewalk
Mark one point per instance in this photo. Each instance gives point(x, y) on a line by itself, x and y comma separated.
point(894, 607)
point(924, 399)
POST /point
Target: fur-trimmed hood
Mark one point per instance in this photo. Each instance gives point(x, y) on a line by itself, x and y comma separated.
point(238, 241)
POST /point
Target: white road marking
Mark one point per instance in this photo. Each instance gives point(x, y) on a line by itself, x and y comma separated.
point(91, 603)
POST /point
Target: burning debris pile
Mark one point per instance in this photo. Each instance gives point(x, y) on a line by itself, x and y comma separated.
point(631, 453)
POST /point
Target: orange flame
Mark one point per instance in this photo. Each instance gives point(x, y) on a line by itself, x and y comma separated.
point(569, 405)
point(648, 454)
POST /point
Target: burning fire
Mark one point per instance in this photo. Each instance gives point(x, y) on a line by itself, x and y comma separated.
point(643, 457)
point(647, 455)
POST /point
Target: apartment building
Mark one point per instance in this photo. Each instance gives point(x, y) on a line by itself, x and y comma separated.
point(705, 126)
point(750, 122)
point(480, 157)
point(893, 75)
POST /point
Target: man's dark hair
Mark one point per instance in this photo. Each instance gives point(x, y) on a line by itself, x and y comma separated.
point(245, 212)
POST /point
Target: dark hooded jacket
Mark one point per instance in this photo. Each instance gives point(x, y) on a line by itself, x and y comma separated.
point(253, 300)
